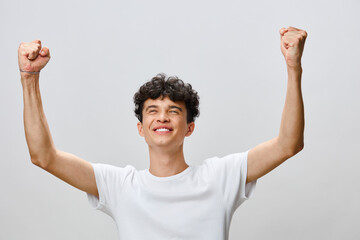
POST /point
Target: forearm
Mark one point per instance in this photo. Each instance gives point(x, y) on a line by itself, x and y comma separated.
point(37, 131)
point(291, 134)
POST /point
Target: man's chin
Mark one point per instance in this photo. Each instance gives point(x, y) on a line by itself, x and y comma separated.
point(161, 144)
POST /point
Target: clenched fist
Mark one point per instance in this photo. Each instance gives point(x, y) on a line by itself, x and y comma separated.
point(292, 45)
point(32, 57)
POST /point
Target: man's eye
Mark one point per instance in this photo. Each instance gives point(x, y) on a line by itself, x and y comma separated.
point(152, 111)
point(174, 111)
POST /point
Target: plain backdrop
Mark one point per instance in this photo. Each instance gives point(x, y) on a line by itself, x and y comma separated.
point(103, 51)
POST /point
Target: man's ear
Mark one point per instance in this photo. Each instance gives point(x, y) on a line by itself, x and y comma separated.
point(191, 128)
point(140, 129)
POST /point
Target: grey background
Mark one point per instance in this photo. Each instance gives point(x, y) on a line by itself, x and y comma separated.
point(102, 52)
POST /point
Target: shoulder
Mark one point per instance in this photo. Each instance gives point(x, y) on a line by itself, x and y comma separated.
point(107, 170)
point(229, 159)
point(225, 165)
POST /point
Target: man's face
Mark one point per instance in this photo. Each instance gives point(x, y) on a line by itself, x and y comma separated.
point(164, 123)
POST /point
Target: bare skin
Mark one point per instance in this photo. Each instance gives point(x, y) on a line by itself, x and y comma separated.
point(270, 154)
point(165, 148)
point(66, 166)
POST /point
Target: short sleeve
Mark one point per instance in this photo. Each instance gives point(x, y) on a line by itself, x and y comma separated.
point(109, 182)
point(231, 173)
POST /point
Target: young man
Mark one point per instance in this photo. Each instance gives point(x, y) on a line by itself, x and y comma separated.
point(170, 200)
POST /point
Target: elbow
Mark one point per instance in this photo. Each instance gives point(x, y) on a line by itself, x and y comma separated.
point(300, 146)
point(40, 163)
point(295, 150)
point(35, 159)
point(291, 148)
point(44, 159)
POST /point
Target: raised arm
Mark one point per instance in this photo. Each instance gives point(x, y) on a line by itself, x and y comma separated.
point(270, 154)
point(68, 167)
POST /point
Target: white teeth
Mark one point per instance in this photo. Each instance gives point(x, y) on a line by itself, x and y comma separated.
point(162, 130)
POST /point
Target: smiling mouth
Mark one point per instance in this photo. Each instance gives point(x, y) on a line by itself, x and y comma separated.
point(162, 130)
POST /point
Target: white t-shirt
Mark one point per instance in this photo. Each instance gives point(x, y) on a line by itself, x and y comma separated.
point(197, 203)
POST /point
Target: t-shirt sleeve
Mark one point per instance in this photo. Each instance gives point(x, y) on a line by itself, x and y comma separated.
point(109, 182)
point(231, 173)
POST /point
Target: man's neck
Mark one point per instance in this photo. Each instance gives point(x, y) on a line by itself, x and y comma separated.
point(165, 163)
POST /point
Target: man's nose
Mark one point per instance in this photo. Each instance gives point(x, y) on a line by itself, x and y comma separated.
point(163, 117)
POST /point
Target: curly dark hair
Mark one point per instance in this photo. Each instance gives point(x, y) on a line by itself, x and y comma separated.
point(171, 87)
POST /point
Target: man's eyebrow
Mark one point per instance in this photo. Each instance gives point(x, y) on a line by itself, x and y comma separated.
point(151, 106)
point(173, 106)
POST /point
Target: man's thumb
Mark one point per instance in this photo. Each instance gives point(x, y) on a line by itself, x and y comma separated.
point(45, 52)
